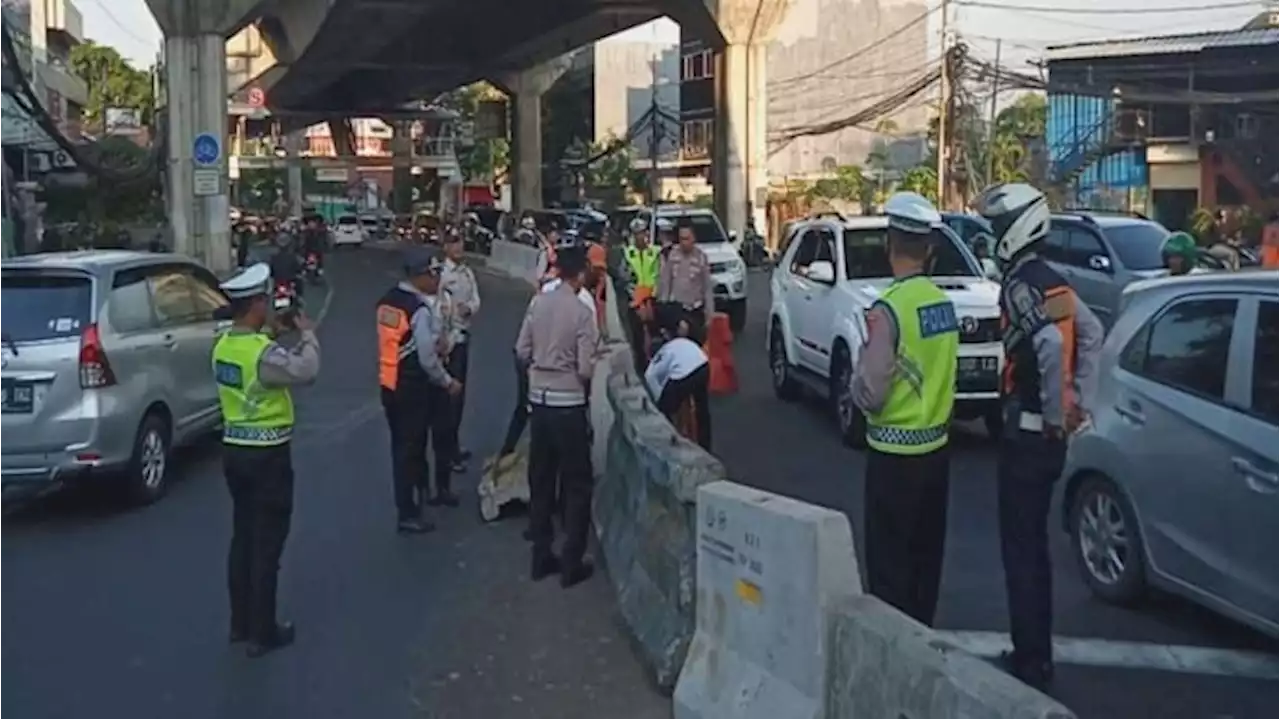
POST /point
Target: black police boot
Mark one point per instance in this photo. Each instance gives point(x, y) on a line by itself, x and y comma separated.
point(576, 574)
point(282, 637)
point(414, 526)
point(544, 566)
point(444, 498)
point(464, 455)
point(1036, 675)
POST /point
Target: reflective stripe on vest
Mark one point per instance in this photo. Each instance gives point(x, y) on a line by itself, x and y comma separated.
point(252, 415)
point(916, 415)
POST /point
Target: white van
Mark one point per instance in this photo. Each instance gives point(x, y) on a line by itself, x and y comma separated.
point(348, 231)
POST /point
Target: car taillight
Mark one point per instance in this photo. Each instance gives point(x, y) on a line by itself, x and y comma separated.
point(95, 371)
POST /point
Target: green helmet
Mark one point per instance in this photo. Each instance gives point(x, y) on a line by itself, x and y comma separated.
point(1180, 244)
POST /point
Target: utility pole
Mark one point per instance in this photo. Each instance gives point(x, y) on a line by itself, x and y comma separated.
point(654, 137)
point(991, 122)
point(944, 112)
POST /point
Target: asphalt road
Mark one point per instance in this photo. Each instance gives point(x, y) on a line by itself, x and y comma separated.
point(122, 613)
point(792, 449)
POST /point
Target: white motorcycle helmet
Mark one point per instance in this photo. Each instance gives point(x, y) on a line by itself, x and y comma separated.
point(527, 223)
point(910, 212)
point(639, 225)
point(1019, 217)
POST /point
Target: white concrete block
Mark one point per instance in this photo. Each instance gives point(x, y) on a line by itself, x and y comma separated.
point(769, 570)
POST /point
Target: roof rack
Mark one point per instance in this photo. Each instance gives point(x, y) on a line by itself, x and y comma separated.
point(827, 214)
point(1088, 214)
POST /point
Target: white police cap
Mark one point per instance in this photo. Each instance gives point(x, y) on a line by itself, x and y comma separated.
point(910, 212)
point(250, 282)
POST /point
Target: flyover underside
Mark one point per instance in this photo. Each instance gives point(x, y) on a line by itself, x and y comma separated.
point(373, 55)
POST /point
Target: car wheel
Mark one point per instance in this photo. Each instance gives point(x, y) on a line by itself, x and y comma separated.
point(147, 476)
point(737, 316)
point(849, 419)
point(1107, 542)
point(784, 385)
point(994, 421)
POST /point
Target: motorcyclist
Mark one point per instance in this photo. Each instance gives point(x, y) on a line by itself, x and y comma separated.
point(528, 233)
point(1179, 253)
point(1051, 342)
point(285, 267)
point(314, 238)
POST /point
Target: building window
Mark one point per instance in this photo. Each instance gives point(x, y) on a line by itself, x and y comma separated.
point(695, 140)
point(697, 65)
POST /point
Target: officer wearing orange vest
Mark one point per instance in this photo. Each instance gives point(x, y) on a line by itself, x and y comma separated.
point(415, 388)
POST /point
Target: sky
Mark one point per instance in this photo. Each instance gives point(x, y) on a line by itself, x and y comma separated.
point(128, 26)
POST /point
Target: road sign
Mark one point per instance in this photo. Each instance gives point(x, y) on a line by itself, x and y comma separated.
point(257, 98)
point(206, 149)
point(207, 182)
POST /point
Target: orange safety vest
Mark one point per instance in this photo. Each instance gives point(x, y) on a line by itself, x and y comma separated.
point(1271, 246)
point(396, 342)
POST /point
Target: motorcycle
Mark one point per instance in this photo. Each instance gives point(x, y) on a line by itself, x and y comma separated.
point(284, 300)
point(311, 270)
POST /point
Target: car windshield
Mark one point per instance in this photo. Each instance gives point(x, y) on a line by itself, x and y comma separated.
point(347, 220)
point(866, 257)
point(41, 307)
point(706, 228)
point(1138, 244)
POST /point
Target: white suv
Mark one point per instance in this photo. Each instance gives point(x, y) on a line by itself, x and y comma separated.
point(834, 268)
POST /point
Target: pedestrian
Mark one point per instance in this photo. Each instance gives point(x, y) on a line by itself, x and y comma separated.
point(558, 341)
point(680, 374)
point(253, 374)
point(458, 279)
point(685, 277)
point(1051, 344)
point(415, 389)
point(905, 383)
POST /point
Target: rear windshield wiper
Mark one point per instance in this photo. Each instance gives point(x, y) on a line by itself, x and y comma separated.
point(8, 341)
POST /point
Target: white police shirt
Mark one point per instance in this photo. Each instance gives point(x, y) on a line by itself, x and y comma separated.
point(583, 295)
point(675, 360)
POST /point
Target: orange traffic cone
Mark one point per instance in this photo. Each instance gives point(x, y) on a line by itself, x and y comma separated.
point(719, 348)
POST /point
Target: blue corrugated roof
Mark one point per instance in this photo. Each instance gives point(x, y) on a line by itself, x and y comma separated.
point(1163, 45)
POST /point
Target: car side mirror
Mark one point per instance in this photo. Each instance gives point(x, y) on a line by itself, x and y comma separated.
point(821, 271)
point(1102, 263)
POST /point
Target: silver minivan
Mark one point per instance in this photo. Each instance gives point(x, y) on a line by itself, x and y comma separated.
point(1174, 483)
point(105, 366)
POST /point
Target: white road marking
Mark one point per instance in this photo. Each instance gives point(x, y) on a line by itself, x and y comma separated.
point(328, 300)
point(1131, 655)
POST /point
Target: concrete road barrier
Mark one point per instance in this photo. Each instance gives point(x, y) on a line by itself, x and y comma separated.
point(783, 629)
point(646, 489)
point(514, 260)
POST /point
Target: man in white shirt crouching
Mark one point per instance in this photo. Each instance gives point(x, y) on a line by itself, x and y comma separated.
point(679, 372)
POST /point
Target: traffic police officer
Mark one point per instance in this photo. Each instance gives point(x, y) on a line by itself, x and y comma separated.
point(253, 373)
point(459, 281)
point(644, 261)
point(557, 342)
point(1051, 344)
point(416, 389)
point(905, 383)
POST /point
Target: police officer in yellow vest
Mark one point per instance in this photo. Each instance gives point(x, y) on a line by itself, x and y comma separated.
point(254, 374)
point(905, 383)
point(644, 260)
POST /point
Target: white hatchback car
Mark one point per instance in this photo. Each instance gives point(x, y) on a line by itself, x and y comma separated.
point(348, 232)
point(833, 270)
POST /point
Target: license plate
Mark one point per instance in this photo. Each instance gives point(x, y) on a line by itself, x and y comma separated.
point(19, 398)
point(969, 366)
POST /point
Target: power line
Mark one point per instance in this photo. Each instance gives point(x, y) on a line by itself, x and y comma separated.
point(116, 21)
point(1060, 10)
point(860, 51)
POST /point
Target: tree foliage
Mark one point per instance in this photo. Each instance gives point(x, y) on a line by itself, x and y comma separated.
point(848, 184)
point(112, 82)
point(486, 159)
point(921, 179)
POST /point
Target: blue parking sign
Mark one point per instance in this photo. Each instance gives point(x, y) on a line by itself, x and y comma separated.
point(206, 149)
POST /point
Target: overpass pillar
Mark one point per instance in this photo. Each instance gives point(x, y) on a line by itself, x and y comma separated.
point(195, 65)
point(293, 154)
point(741, 175)
point(401, 166)
point(525, 90)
